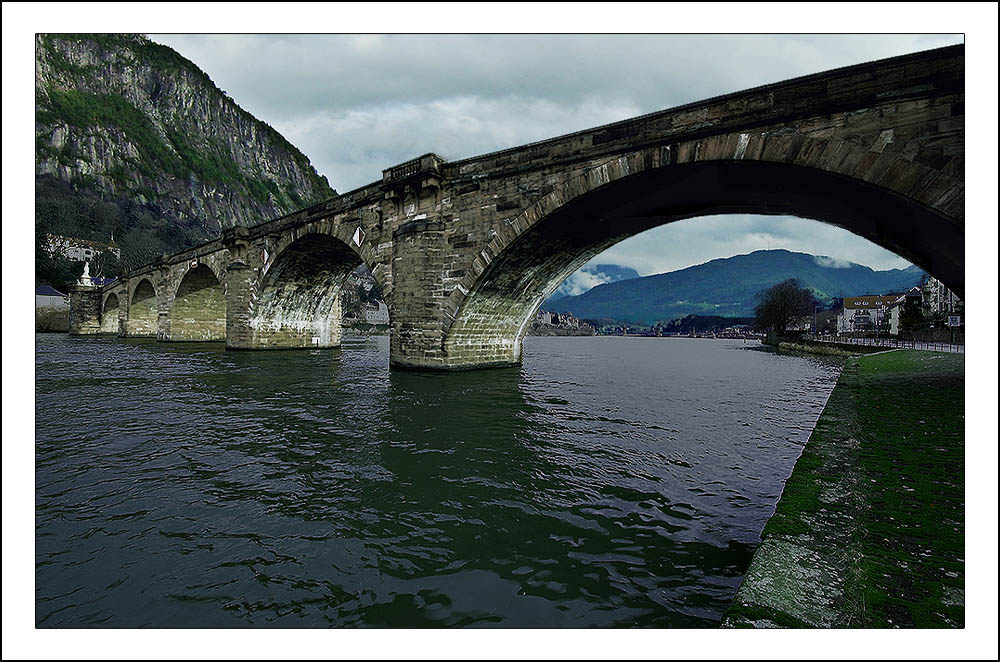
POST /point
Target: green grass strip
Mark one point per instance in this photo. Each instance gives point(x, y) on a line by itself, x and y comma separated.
point(870, 528)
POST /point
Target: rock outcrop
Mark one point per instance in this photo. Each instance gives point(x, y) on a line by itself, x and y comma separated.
point(122, 119)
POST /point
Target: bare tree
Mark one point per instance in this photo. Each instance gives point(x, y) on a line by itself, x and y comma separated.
point(780, 304)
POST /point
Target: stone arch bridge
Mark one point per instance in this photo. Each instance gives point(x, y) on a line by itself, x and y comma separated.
point(464, 252)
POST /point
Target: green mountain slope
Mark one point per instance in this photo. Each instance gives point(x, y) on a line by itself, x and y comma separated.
point(729, 286)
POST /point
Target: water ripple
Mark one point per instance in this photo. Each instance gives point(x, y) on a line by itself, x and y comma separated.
point(608, 482)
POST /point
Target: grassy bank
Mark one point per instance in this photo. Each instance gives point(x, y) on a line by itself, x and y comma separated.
point(870, 528)
point(49, 320)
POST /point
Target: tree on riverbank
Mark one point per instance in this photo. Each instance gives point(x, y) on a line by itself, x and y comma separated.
point(780, 305)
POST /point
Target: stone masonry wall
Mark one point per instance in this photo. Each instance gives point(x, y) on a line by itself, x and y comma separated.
point(84, 310)
point(143, 313)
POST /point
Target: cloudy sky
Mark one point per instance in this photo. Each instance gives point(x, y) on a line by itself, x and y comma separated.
point(356, 104)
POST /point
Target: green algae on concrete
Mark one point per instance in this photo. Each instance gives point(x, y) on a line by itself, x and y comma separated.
point(870, 528)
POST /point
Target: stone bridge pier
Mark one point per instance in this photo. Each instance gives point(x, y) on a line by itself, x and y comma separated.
point(464, 252)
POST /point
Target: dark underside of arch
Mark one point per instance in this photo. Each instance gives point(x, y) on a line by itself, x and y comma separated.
point(299, 305)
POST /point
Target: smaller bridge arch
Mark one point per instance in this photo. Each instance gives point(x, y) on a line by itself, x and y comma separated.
point(143, 309)
point(110, 313)
point(346, 234)
point(198, 310)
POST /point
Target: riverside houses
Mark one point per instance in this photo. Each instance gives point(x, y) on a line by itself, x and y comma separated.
point(913, 295)
point(939, 300)
point(48, 297)
point(863, 314)
point(80, 249)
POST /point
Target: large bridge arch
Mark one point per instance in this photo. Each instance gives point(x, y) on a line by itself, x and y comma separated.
point(536, 250)
point(198, 309)
point(298, 293)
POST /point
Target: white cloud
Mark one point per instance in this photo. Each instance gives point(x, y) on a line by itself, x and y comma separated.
point(832, 263)
point(581, 281)
point(354, 145)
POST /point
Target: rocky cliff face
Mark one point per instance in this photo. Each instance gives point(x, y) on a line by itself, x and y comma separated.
point(122, 118)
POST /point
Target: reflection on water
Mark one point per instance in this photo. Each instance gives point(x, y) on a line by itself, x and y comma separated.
point(608, 481)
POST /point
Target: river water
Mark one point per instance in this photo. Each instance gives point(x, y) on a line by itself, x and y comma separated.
point(606, 482)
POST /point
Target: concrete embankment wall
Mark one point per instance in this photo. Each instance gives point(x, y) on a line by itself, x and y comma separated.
point(804, 344)
point(829, 348)
point(870, 528)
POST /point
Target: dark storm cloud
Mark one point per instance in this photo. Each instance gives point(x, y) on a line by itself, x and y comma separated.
point(356, 104)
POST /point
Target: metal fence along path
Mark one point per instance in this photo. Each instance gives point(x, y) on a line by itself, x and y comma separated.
point(896, 343)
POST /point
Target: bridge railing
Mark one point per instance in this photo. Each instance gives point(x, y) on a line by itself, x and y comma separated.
point(405, 169)
point(428, 163)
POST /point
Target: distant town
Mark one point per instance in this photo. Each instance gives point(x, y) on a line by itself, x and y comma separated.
point(929, 312)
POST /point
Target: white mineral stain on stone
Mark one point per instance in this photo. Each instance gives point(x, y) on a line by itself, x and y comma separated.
point(884, 138)
point(796, 581)
point(741, 146)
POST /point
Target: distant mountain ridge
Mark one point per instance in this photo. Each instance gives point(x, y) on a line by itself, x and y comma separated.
point(729, 286)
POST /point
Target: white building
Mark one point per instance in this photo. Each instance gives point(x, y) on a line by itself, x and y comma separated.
point(804, 323)
point(863, 314)
point(80, 249)
point(566, 320)
point(938, 299)
point(50, 298)
point(379, 315)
